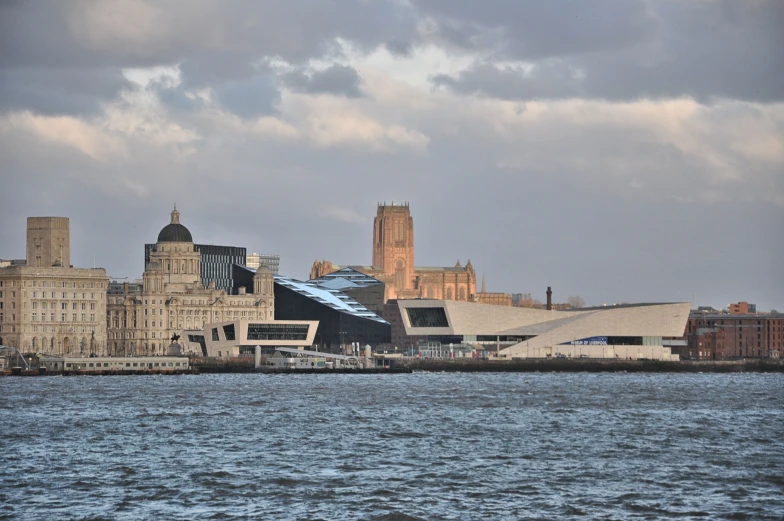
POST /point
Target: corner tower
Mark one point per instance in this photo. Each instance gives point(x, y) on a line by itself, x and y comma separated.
point(393, 244)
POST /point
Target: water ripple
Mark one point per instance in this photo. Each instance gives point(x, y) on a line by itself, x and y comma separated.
point(423, 446)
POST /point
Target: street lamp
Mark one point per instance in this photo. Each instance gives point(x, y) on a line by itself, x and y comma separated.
point(342, 342)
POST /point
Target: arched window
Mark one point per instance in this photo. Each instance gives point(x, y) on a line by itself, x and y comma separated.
point(462, 294)
point(448, 293)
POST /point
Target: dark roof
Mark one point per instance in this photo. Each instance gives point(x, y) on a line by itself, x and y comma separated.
point(175, 232)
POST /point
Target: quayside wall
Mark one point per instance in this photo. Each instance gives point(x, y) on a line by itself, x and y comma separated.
point(595, 366)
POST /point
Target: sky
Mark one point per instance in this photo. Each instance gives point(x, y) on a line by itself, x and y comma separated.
point(620, 150)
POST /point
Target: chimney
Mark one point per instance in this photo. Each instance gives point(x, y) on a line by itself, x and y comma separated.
point(125, 287)
point(241, 290)
point(549, 298)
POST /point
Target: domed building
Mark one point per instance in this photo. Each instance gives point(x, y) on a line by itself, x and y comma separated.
point(172, 300)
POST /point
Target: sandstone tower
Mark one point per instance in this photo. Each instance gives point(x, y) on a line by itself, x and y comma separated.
point(48, 242)
point(393, 244)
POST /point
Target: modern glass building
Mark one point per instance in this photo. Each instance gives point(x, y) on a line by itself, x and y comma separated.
point(215, 264)
point(342, 320)
point(361, 287)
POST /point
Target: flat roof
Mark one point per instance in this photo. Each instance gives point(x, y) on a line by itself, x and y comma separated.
point(306, 352)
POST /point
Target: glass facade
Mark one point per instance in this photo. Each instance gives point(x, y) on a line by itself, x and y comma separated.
point(427, 317)
point(277, 331)
point(342, 320)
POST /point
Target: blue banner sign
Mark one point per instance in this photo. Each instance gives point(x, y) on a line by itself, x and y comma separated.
point(590, 341)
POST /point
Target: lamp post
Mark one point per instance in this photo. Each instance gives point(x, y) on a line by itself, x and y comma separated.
point(342, 342)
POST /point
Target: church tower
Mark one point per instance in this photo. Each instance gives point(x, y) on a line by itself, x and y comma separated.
point(393, 244)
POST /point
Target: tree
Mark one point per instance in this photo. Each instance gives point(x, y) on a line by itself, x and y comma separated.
point(576, 301)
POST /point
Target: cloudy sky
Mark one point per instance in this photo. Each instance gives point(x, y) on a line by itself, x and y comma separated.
point(621, 150)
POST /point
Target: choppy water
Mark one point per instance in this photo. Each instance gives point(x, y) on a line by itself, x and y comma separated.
point(393, 447)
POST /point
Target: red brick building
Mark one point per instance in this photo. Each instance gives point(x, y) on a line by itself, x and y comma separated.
point(719, 336)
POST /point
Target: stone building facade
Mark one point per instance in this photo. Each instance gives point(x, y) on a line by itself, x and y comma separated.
point(48, 307)
point(172, 299)
point(393, 262)
point(48, 242)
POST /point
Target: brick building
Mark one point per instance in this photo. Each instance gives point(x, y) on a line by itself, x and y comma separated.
point(719, 336)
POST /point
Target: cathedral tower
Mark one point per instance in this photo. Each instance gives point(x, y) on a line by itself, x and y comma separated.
point(393, 244)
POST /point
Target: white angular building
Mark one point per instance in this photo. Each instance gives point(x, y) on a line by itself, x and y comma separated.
point(240, 337)
point(633, 331)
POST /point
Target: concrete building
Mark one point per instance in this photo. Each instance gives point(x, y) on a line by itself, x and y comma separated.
point(46, 306)
point(240, 337)
point(393, 263)
point(172, 298)
point(627, 331)
point(270, 260)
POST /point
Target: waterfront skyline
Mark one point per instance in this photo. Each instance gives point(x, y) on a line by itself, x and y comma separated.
point(638, 160)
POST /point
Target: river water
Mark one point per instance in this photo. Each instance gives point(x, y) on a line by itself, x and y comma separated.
point(394, 447)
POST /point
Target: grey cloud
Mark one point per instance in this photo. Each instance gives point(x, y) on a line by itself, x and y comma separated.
point(337, 79)
point(255, 96)
point(549, 80)
point(669, 49)
point(532, 29)
point(212, 41)
point(210, 33)
point(562, 214)
point(59, 91)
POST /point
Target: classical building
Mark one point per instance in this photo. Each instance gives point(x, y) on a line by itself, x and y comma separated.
point(172, 298)
point(393, 263)
point(48, 307)
point(215, 263)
